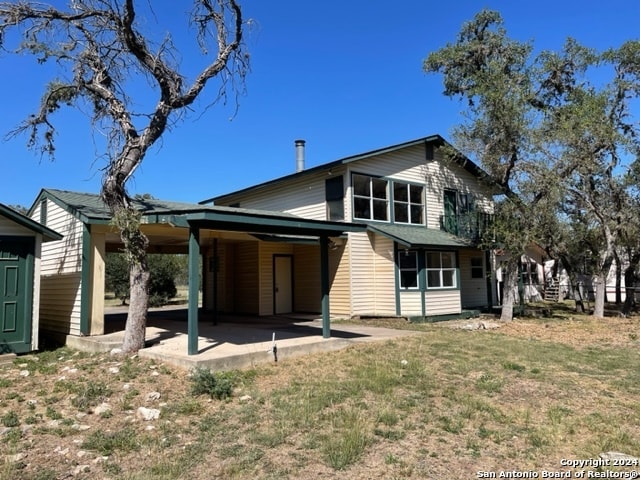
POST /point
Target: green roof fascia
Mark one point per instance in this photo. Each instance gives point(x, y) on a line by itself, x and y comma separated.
point(47, 234)
point(327, 166)
point(264, 223)
point(419, 236)
point(297, 239)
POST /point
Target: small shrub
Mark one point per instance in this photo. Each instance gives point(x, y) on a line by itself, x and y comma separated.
point(52, 413)
point(10, 419)
point(90, 395)
point(5, 382)
point(205, 382)
point(106, 443)
point(513, 366)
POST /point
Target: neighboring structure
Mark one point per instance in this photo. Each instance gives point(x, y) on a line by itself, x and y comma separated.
point(21, 240)
point(422, 216)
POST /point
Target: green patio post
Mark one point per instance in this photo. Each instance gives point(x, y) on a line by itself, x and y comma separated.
point(194, 286)
point(324, 285)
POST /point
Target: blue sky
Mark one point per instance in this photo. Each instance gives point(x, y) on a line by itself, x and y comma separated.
point(345, 75)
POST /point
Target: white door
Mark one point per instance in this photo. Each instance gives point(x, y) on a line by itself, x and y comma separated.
point(283, 285)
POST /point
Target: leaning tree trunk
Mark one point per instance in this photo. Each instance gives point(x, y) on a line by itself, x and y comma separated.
point(127, 220)
point(510, 274)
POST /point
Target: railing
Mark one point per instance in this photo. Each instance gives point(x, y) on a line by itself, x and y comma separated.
point(470, 225)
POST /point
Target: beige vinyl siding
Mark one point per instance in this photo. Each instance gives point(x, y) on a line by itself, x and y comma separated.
point(267, 251)
point(441, 175)
point(224, 277)
point(61, 272)
point(409, 165)
point(442, 302)
point(306, 274)
point(339, 279)
point(384, 279)
point(35, 312)
point(304, 197)
point(362, 274)
point(472, 290)
point(246, 291)
point(410, 303)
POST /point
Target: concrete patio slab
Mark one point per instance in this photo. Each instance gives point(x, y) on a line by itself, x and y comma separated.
point(235, 341)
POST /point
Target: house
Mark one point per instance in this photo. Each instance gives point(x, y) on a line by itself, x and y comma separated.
point(421, 216)
point(21, 242)
point(388, 232)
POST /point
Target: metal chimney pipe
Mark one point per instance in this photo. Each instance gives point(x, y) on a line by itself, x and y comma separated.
point(299, 155)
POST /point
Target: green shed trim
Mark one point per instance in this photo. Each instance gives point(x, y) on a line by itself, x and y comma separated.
point(85, 292)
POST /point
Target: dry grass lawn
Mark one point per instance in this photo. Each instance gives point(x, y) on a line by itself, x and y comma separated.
point(443, 405)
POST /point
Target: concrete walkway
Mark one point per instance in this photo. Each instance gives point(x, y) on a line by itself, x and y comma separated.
point(236, 341)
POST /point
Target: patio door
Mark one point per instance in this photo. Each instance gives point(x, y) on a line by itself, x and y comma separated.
point(282, 284)
point(16, 283)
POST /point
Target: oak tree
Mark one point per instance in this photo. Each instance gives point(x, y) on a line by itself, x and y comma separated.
point(109, 62)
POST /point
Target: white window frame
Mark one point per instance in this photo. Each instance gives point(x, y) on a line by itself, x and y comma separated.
point(409, 203)
point(443, 270)
point(373, 201)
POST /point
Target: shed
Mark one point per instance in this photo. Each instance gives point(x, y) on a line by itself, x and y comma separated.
point(21, 241)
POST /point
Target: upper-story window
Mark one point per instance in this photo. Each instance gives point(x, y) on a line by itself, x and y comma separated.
point(334, 196)
point(370, 198)
point(408, 203)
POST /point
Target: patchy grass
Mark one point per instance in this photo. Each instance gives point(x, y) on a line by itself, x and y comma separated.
point(445, 404)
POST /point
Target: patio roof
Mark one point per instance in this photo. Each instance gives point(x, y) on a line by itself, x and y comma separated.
point(90, 209)
point(419, 236)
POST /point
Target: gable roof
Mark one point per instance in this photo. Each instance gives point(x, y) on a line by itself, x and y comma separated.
point(48, 235)
point(90, 209)
point(435, 140)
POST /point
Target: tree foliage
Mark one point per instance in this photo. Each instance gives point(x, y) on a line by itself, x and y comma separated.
point(552, 138)
point(165, 271)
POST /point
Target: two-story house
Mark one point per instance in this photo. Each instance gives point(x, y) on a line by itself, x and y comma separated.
point(416, 255)
point(388, 232)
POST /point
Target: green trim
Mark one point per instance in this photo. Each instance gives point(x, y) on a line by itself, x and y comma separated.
point(30, 272)
point(194, 278)
point(422, 280)
point(216, 267)
point(396, 274)
point(85, 292)
point(324, 285)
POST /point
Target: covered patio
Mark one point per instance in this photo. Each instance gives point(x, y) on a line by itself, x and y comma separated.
point(235, 341)
point(243, 259)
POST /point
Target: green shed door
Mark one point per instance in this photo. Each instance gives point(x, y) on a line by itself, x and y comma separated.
point(16, 292)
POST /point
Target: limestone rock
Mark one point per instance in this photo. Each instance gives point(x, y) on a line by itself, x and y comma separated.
point(148, 414)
